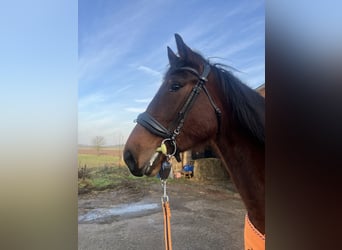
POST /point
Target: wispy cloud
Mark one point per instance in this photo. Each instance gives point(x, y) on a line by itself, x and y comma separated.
point(90, 100)
point(149, 71)
point(251, 69)
point(122, 58)
point(147, 100)
point(92, 65)
point(112, 40)
point(237, 47)
point(135, 110)
point(123, 89)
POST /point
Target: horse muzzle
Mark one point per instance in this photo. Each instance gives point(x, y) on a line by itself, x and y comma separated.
point(149, 168)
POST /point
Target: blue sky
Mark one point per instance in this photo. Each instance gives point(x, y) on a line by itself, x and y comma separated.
point(122, 53)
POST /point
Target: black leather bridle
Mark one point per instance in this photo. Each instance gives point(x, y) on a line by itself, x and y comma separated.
point(153, 126)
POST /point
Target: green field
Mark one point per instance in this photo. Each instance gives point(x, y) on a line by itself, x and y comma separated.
point(97, 160)
point(106, 172)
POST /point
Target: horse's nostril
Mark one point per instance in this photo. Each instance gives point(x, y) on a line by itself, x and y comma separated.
point(131, 162)
point(129, 159)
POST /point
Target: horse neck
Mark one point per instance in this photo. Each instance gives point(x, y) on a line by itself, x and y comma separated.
point(244, 159)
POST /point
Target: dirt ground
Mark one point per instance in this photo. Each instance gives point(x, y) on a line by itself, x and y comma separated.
point(203, 216)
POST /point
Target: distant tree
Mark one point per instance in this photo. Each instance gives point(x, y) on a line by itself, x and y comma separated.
point(98, 142)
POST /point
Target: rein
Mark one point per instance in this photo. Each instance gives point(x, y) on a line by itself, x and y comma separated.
point(156, 128)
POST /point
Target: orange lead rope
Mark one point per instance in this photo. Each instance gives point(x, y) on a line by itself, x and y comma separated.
point(167, 216)
point(167, 226)
point(254, 240)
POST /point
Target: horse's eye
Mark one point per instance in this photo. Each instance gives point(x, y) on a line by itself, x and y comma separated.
point(175, 87)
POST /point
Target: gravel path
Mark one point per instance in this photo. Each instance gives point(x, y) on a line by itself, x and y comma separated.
point(203, 216)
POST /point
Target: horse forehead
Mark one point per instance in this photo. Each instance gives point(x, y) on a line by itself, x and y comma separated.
point(180, 76)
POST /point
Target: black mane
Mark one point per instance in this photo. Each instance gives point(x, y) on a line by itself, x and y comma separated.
point(247, 106)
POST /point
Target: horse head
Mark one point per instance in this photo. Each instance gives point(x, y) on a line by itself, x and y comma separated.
point(183, 113)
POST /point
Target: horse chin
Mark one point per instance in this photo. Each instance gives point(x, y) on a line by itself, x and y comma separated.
point(153, 166)
point(150, 171)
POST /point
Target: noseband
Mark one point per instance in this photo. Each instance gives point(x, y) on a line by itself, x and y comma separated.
point(153, 126)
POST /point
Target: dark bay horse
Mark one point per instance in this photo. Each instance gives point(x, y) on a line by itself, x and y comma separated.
point(202, 102)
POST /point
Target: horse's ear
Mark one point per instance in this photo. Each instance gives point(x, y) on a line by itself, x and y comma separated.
point(173, 58)
point(183, 50)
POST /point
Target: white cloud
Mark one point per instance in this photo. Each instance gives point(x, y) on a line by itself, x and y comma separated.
point(149, 71)
point(147, 100)
point(229, 51)
point(90, 100)
point(124, 47)
point(135, 110)
point(255, 68)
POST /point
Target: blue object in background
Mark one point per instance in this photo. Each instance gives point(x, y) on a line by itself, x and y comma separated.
point(188, 168)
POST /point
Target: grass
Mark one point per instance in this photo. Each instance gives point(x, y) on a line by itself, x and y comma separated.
point(101, 178)
point(106, 172)
point(97, 160)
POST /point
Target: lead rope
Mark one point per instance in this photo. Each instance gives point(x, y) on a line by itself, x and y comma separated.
point(167, 216)
point(164, 173)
